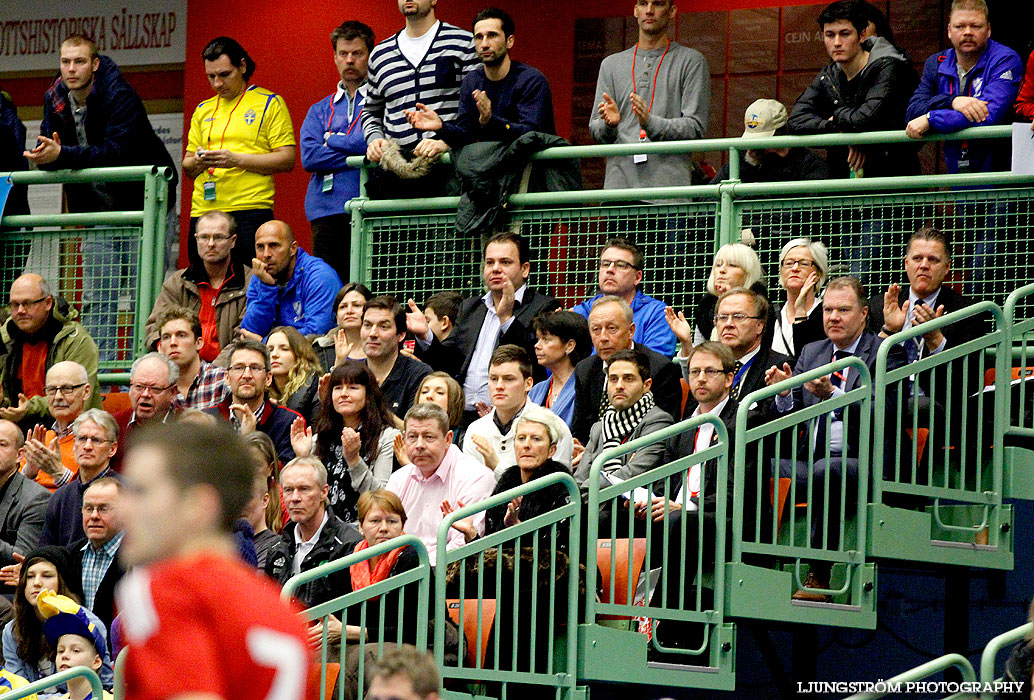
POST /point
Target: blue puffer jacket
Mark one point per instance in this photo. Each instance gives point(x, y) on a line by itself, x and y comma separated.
point(995, 78)
point(305, 302)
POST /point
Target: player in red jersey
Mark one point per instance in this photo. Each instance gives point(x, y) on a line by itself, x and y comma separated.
point(199, 623)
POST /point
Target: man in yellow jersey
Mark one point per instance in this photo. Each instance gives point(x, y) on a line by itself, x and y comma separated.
point(237, 140)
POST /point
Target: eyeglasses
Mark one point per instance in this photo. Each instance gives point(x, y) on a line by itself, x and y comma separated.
point(210, 238)
point(709, 372)
point(617, 264)
point(102, 509)
point(735, 318)
point(83, 439)
point(147, 388)
point(26, 304)
point(66, 391)
point(241, 369)
point(803, 264)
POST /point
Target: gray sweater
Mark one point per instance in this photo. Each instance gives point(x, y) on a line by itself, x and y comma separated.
point(681, 105)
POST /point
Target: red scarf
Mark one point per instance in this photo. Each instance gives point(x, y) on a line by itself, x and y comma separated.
point(361, 574)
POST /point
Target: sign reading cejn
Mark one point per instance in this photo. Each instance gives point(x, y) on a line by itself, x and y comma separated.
point(143, 32)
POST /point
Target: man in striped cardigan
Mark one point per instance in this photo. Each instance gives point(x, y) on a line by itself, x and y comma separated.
point(423, 63)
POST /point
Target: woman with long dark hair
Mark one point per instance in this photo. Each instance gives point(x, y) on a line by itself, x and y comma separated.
point(26, 650)
point(354, 436)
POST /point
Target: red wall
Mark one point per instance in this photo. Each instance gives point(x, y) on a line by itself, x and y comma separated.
point(290, 42)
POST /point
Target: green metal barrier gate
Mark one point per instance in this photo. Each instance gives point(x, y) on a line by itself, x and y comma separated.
point(112, 259)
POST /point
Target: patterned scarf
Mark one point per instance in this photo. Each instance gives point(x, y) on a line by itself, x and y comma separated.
point(361, 574)
point(618, 425)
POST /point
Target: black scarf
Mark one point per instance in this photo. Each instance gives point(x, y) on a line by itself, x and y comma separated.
point(47, 332)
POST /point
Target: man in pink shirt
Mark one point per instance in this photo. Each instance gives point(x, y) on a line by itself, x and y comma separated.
point(439, 474)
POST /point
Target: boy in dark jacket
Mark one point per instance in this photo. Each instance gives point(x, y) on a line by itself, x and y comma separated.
point(866, 87)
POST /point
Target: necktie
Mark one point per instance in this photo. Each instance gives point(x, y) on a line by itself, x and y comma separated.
point(736, 373)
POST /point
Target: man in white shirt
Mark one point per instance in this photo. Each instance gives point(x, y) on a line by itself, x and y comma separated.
point(489, 439)
point(314, 536)
point(439, 478)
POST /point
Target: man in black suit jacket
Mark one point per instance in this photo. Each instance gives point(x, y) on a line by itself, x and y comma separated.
point(611, 328)
point(23, 502)
point(740, 317)
point(844, 313)
point(927, 263)
point(500, 317)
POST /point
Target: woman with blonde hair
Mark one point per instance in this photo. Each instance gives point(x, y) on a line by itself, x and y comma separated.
point(803, 267)
point(295, 370)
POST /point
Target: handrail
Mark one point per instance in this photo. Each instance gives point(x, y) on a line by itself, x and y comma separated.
point(740, 143)
point(666, 433)
point(941, 663)
point(990, 653)
point(117, 174)
point(336, 565)
point(57, 679)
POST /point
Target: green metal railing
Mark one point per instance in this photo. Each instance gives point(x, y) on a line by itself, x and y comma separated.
point(109, 265)
point(519, 573)
point(1019, 315)
point(897, 684)
point(864, 221)
point(936, 454)
point(990, 655)
point(786, 463)
point(57, 679)
point(683, 560)
point(353, 609)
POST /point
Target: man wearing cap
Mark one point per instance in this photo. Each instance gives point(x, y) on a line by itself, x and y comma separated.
point(763, 119)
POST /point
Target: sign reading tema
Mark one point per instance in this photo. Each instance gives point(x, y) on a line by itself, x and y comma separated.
point(138, 33)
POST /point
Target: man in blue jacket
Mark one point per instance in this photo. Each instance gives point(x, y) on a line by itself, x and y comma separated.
point(972, 84)
point(330, 134)
point(288, 286)
point(621, 273)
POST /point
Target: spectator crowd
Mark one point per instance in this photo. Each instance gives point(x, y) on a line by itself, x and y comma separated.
point(362, 417)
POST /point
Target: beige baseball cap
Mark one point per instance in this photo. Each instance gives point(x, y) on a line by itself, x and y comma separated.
point(763, 117)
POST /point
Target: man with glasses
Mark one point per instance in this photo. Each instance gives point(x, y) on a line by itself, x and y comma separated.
point(740, 318)
point(35, 338)
point(152, 388)
point(96, 554)
point(215, 288)
point(621, 273)
point(96, 441)
point(49, 453)
point(248, 406)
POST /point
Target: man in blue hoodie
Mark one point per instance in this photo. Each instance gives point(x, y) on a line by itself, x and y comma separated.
point(330, 134)
point(93, 118)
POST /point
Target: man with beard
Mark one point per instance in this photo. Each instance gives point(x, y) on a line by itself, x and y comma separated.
point(499, 101)
point(248, 406)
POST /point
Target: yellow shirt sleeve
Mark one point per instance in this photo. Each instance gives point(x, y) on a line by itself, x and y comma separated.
point(278, 127)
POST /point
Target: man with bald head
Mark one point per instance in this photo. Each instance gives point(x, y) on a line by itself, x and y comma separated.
point(49, 454)
point(611, 327)
point(23, 503)
point(35, 338)
point(288, 287)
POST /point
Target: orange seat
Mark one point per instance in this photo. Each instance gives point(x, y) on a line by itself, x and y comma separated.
point(475, 651)
point(603, 555)
point(921, 438)
point(685, 395)
point(313, 685)
point(779, 500)
point(116, 402)
point(1017, 372)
